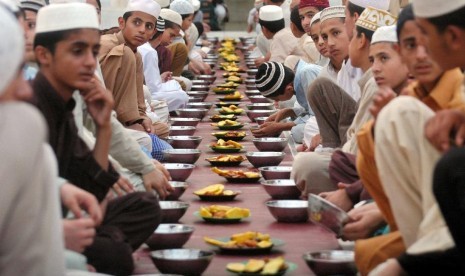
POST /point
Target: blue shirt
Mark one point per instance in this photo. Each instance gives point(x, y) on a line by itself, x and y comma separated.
point(305, 74)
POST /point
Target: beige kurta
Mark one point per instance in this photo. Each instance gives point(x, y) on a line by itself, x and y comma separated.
point(284, 44)
point(308, 46)
point(30, 225)
point(123, 73)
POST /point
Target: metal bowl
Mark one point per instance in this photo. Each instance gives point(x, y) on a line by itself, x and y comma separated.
point(250, 81)
point(288, 210)
point(331, 262)
point(199, 94)
point(260, 120)
point(252, 92)
point(200, 87)
point(172, 211)
point(260, 106)
point(199, 82)
point(276, 172)
point(184, 121)
point(179, 171)
point(196, 99)
point(259, 99)
point(187, 156)
point(203, 105)
point(182, 261)
point(169, 235)
point(327, 214)
point(281, 189)
point(252, 114)
point(198, 113)
point(182, 130)
point(270, 143)
point(252, 72)
point(208, 78)
point(179, 189)
point(250, 86)
point(266, 158)
point(184, 142)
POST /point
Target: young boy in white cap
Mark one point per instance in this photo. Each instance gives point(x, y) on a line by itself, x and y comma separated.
point(30, 9)
point(129, 219)
point(283, 42)
point(161, 86)
point(430, 247)
point(354, 8)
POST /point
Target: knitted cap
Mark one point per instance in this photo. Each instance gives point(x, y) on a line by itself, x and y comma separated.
point(269, 78)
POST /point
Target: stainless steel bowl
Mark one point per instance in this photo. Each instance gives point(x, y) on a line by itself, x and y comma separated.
point(175, 121)
point(265, 158)
point(172, 211)
point(182, 130)
point(252, 92)
point(252, 72)
point(250, 81)
point(184, 142)
point(250, 86)
point(179, 171)
point(326, 214)
point(179, 189)
point(187, 156)
point(270, 143)
point(168, 235)
point(252, 114)
point(281, 189)
point(209, 78)
point(260, 106)
point(259, 99)
point(182, 261)
point(198, 113)
point(203, 105)
point(331, 262)
point(260, 120)
point(199, 82)
point(196, 99)
point(200, 87)
point(288, 210)
point(198, 94)
point(276, 172)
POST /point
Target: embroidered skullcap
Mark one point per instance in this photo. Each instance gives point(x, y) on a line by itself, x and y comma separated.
point(315, 18)
point(32, 5)
point(270, 77)
point(11, 5)
point(11, 47)
point(182, 7)
point(320, 4)
point(271, 13)
point(160, 24)
point(435, 8)
point(371, 19)
point(385, 34)
point(147, 6)
point(196, 4)
point(66, 16)
point(332, 12)
point(163, 3)
point(379, 4)
point(172, 16)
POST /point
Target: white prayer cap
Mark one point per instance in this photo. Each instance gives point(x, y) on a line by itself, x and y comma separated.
point(385, 34)
point(33, 5)
point(379, 4)
point(182, 7)
point(172, 16)
point(163, 3)
point(332, 12)
point(147, 6)
point(435, 8)
point(11, 5)
point(196, 4)
point(258, 4)
point(315, 18)
point(271, 13)
point(371, 19)
point(66, 16)
point(11, 47)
